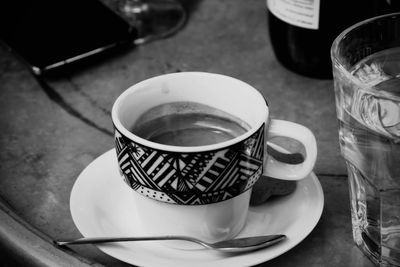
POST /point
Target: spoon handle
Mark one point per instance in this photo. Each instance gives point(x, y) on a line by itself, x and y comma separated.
point(232, 245)
point(98, 240)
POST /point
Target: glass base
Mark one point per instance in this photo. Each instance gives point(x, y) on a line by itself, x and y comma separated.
point(375, 217)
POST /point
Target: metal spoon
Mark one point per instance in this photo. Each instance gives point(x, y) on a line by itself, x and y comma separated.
point(232, 245)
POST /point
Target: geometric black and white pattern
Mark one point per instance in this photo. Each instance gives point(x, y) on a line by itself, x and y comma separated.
point(191, 178)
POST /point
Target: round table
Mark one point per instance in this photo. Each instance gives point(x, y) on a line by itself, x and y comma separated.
point(49, 135)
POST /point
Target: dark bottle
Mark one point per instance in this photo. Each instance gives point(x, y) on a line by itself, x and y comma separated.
point(302, 31)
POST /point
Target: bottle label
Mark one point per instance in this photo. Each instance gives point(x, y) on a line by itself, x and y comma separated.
point(301, 13)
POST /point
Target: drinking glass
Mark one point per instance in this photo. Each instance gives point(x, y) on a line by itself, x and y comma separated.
point(153, 19)
point(366, 70)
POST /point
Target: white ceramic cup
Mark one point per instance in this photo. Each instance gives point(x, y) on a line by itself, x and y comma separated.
point(214, 205)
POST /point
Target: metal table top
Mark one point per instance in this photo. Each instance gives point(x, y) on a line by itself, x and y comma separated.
point(50, 135)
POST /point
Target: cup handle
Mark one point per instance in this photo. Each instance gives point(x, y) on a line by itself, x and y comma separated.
point(285, 171)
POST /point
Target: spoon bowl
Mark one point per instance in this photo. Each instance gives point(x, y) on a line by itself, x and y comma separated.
point(236, 245)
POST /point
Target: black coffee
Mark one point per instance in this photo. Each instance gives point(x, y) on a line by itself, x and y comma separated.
point(188, 124)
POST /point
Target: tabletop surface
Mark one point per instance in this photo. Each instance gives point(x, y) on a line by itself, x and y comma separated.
point(50, 135)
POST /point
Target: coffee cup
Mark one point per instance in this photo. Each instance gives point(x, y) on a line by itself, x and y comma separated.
point(191, 145)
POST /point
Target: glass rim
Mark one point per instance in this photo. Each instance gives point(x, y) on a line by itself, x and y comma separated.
point(344, 33)
point(336, 63)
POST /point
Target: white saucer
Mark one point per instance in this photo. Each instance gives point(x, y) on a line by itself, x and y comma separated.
point(101, 205)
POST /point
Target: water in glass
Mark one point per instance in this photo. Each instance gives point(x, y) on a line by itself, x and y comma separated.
point(368, 110)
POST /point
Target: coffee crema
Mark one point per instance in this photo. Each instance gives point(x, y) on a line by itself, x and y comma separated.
point(188, 124)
